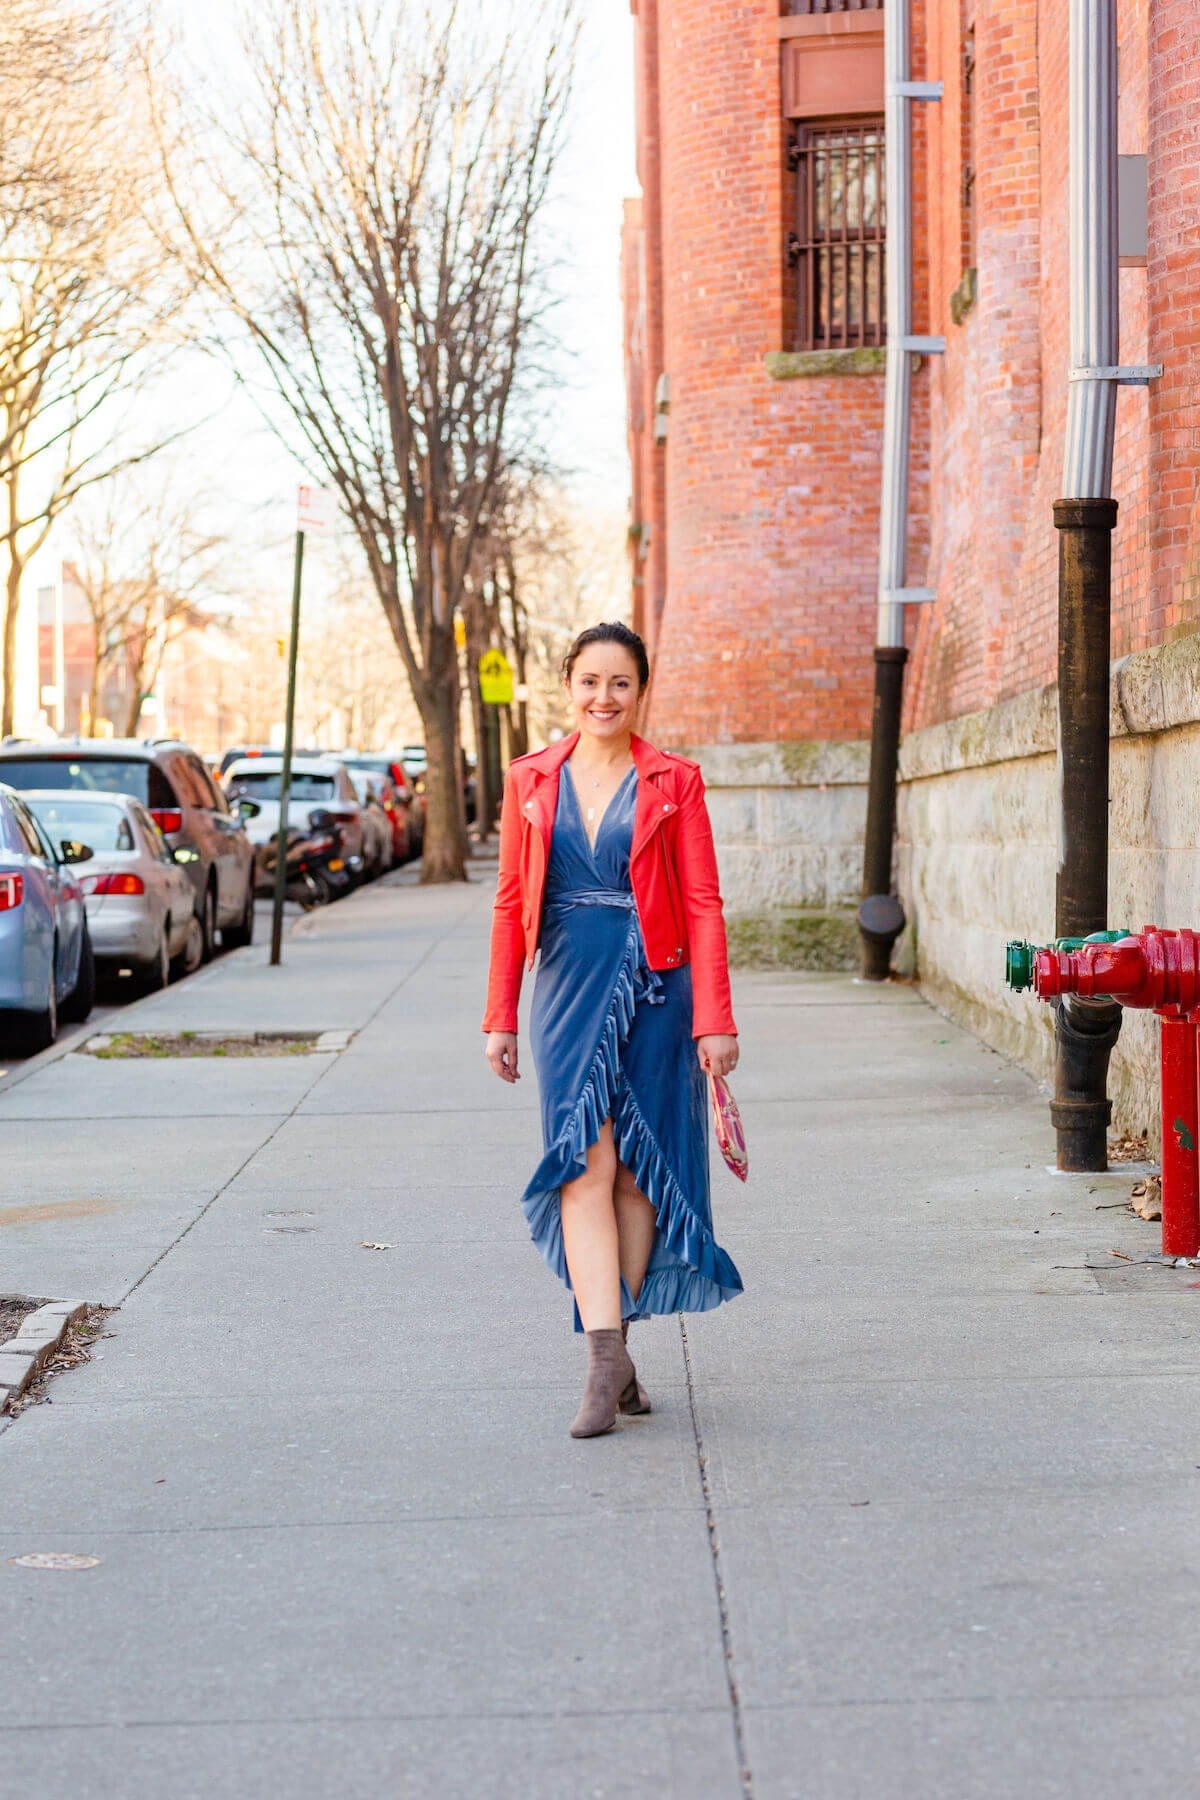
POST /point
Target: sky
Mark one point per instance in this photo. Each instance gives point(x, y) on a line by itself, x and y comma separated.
point(245, 480)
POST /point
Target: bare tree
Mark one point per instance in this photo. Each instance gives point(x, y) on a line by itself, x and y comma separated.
point(353, 689)
point(392, 164)
point(148, 573)
point(84, 287)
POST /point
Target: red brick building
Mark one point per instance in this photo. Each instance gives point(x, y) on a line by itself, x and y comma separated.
point(755, 422)
point(753, 282)
point(755, 469)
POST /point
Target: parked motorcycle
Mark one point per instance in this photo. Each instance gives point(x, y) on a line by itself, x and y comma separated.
point(316, 867)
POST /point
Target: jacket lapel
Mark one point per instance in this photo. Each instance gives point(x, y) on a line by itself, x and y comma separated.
point(652, 806)
point(542, 801)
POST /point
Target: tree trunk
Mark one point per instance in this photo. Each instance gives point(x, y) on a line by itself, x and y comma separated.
point(12, 599)
point(138, 691)
point(94, 687)
point(445, 854)
point(484, 808)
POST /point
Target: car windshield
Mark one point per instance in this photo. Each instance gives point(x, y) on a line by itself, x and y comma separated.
point(93, 774)
point(103, 827)
point(265, 786)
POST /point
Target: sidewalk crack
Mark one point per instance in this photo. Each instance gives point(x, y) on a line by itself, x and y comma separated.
point(746, 1778)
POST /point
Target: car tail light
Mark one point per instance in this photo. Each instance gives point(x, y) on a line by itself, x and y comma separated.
point(167, 818)
point(12, 891)
point(113, 884)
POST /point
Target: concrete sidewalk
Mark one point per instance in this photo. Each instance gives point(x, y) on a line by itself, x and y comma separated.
point(917, 1516)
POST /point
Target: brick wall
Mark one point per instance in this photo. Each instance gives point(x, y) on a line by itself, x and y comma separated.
point(1173, 281)
point(769, 503)
point(998, 397)
point(758, 521)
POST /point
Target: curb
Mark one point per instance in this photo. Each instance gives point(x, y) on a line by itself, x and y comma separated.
point(41, 1333)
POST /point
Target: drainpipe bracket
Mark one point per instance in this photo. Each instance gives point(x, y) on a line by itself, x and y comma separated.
point(907, 596)
point(1130, 375)
point(913, 90)
point(922, 346)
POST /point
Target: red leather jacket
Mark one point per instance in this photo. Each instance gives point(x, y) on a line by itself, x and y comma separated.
point(673, 871)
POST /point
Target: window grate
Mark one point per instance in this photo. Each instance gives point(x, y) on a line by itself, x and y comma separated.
point(837, 248)
point(799, 9)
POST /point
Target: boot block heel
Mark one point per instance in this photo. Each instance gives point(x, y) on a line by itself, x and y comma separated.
point(634, 1398)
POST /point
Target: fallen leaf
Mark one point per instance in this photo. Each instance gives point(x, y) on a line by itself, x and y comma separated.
point(369, 1246)
point(1146, 1198)
point(55, 1559)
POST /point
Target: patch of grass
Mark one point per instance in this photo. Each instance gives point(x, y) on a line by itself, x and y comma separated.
point(794, 938)
point(137, 1045)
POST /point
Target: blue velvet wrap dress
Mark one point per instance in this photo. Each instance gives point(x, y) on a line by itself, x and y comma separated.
point(612, 1039)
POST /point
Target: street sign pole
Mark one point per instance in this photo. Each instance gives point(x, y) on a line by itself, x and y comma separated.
point(285, 779)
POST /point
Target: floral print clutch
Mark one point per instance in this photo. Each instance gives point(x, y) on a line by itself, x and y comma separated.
point(727, 1120)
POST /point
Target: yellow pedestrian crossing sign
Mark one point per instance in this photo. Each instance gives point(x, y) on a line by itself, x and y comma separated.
point(495, 679)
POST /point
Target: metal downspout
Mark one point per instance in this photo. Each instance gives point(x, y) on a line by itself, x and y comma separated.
point(1086, 1030)
point(881, 916)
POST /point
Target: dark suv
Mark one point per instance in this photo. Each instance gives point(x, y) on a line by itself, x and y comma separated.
point(209, 842)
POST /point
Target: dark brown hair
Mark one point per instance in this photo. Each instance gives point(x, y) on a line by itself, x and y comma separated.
point(610, 633)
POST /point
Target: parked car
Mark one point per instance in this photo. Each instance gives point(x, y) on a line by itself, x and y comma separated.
point(378, 850)
point(322, 794)
point(172, 783)
point(140, 909)
point(239, 752)
point(47, 972)
point(397, 796)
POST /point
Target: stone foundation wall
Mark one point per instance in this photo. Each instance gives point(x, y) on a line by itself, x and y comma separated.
point(788, 822)
point(978, 851)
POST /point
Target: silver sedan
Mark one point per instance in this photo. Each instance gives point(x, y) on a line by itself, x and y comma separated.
point(140, 905)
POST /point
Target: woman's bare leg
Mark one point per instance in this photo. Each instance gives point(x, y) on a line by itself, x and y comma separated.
point(589, 1223)
point(636, 1222)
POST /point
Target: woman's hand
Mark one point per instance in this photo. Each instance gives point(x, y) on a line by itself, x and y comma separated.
point(718, 1054)
point(501, 1052)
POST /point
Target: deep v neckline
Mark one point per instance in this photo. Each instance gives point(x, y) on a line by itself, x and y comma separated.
point(591, 842)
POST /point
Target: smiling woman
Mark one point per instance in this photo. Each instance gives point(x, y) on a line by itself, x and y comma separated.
point(607, 866)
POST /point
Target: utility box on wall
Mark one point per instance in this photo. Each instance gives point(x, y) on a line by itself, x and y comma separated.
point(1131, 211)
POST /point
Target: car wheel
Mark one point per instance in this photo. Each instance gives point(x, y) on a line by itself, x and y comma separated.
point(31, 1032)
point(208, 925)
point(236, 937)
point(82, 998)
point(152, 977)
point(192, 954)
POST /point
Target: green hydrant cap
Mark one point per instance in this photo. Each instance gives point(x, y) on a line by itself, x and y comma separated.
point(1018, 965)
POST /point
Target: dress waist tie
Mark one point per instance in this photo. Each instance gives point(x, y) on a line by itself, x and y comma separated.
point(647, 983)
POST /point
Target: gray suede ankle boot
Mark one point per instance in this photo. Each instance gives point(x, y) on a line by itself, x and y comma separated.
point(609, 1376)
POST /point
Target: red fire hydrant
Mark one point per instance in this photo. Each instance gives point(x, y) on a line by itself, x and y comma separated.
point(1156, 971)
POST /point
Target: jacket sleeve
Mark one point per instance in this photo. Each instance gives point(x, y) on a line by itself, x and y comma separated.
point(508, 937)
point(696, 864)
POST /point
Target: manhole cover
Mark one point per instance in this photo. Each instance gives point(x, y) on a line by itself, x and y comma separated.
point(55, 1559)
